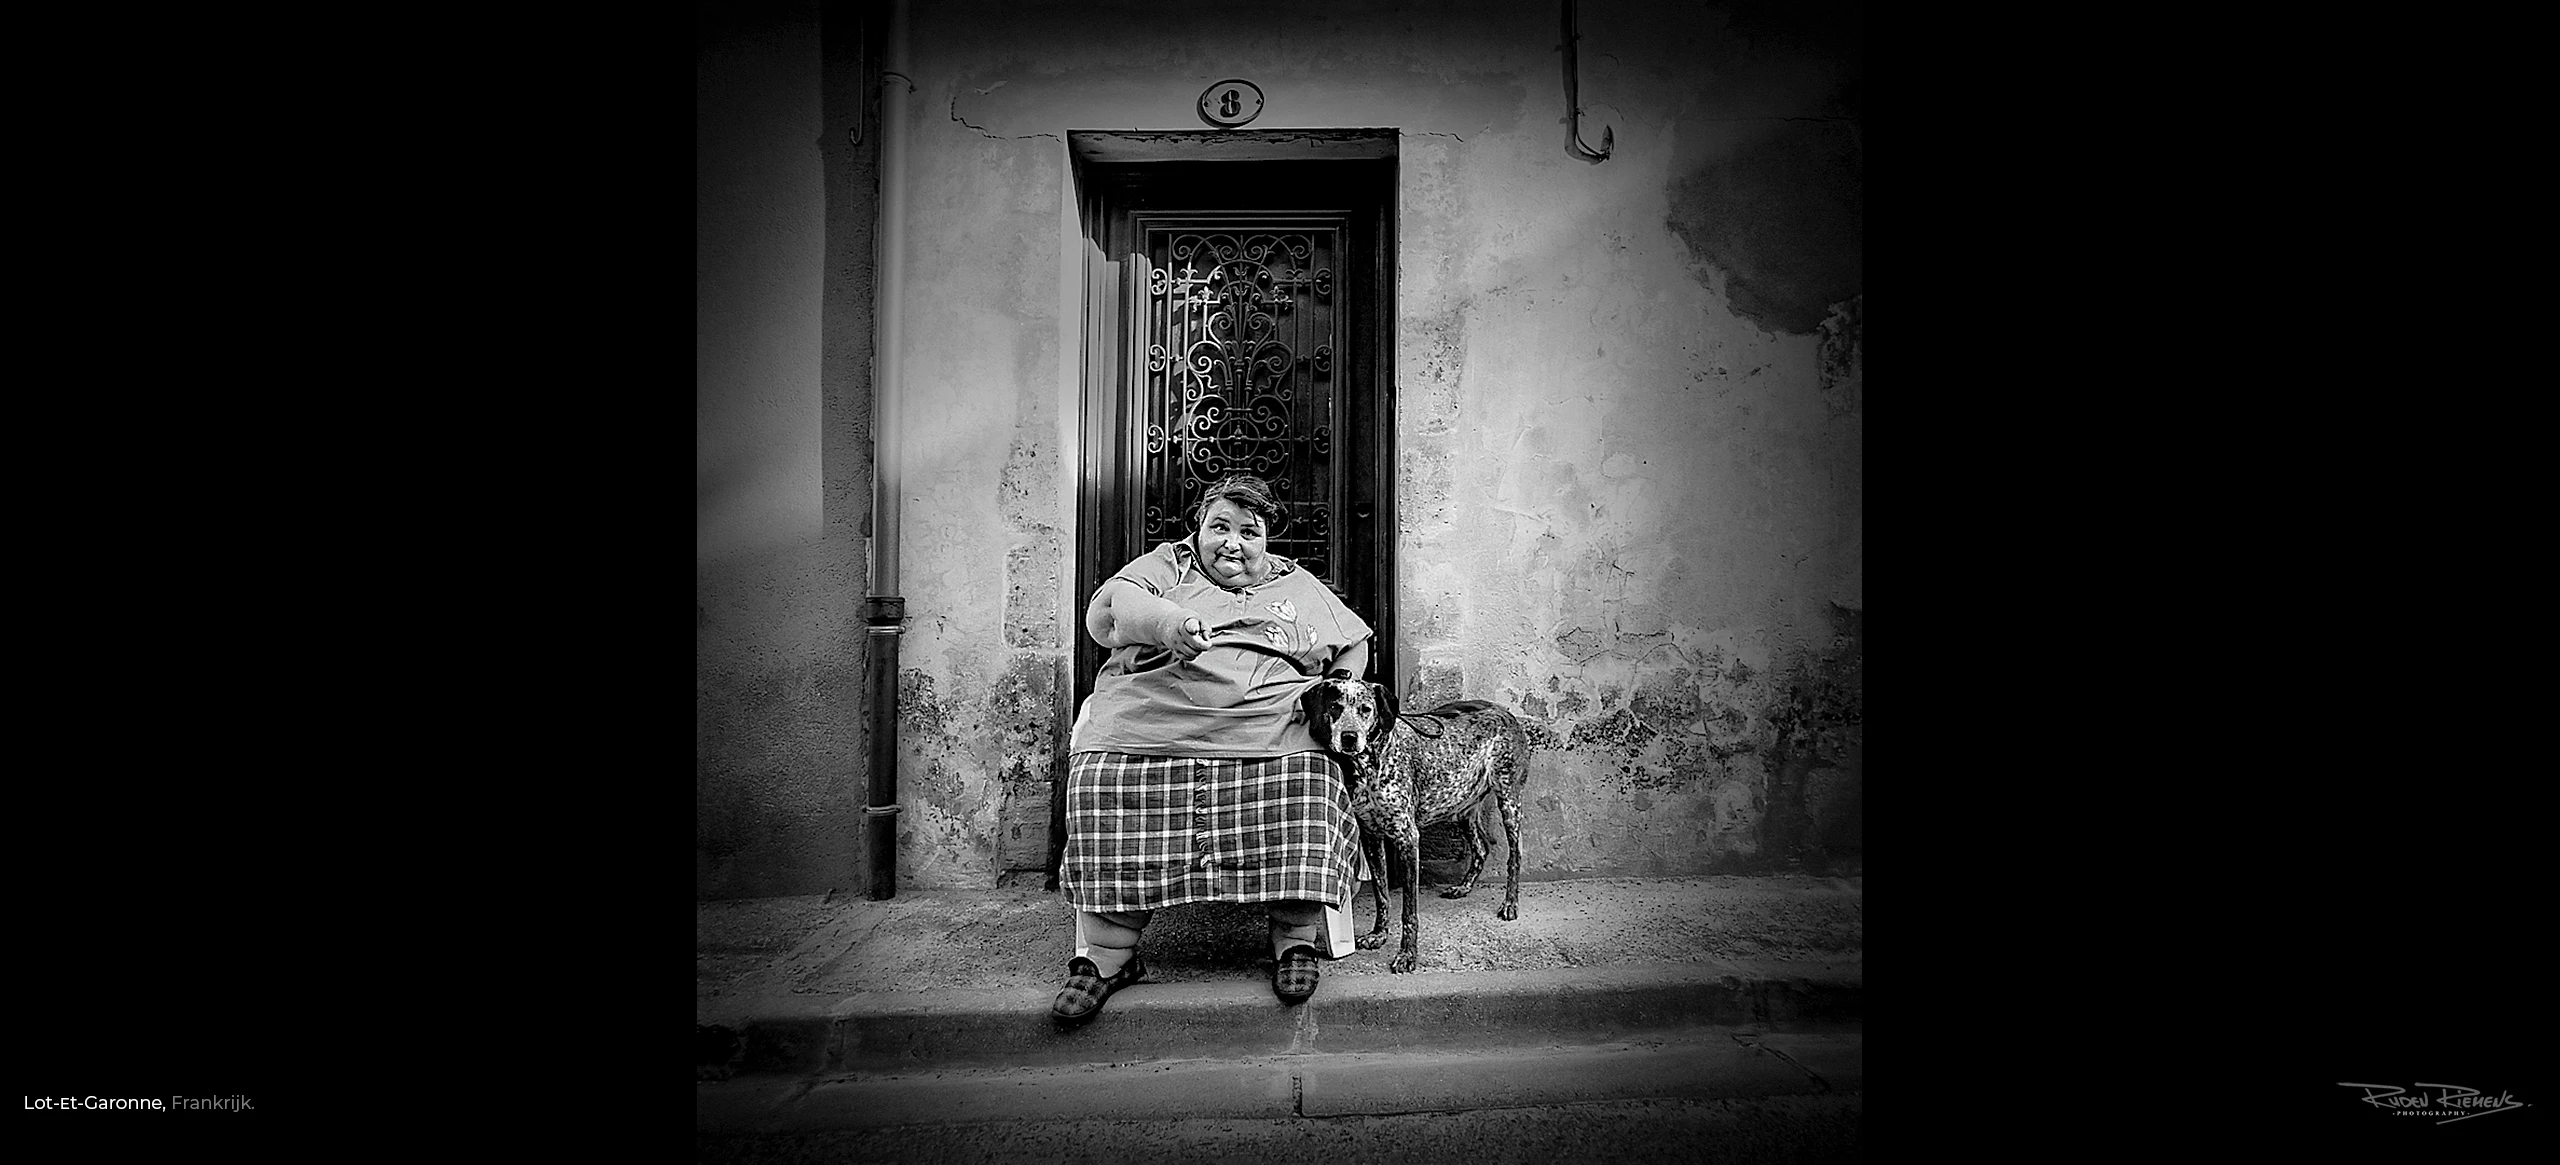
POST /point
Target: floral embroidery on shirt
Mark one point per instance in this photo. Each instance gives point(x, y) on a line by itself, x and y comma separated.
point(1286, 610)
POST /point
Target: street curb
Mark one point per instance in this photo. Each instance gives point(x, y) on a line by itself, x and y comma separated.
point(970, 1028)
point(1697, 1066)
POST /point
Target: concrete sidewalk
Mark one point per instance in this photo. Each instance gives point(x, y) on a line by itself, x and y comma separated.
point(961, 980)
point(1284, 1098)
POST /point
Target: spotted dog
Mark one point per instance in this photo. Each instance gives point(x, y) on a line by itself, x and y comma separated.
point(1419, 769)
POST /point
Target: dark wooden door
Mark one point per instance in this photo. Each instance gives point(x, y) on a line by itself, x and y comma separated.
point(1236, 321)
point(1237, 316)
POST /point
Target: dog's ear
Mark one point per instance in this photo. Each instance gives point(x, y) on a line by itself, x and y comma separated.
point(1311, 702)
point(1386, 710)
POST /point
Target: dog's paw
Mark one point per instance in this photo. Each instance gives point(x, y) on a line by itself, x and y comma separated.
point(1403, 963)
point(1509, 912)
point(1370, 942)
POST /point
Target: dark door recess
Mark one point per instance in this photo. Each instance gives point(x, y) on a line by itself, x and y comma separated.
point(1237, 320)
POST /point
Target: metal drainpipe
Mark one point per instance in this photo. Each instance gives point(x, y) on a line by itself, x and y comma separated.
point(885, 611)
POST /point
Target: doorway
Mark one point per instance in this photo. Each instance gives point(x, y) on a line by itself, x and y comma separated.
point(1239, 300)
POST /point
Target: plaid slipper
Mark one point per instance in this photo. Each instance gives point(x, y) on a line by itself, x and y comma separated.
point(1081, 998)
point(1293, 974)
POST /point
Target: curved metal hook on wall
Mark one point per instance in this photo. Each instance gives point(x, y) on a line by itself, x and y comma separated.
point(1573, 94)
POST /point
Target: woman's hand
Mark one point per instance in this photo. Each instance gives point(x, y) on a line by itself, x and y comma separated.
point(1122, 615)
point(1191, 638)
point(1351, 662)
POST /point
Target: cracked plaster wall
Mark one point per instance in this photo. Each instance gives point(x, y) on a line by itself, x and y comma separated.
point(1629, 425)
point(1629, 428)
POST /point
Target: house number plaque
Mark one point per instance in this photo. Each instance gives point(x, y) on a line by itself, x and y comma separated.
point(1231, 103)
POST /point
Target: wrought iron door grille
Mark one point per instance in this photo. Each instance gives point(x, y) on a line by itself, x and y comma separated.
point(1241, 330)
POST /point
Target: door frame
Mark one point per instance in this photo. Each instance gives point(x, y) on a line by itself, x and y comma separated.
point(1119, 175)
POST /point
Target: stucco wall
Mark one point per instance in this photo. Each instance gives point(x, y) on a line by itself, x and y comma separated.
point(781, 473)
point(1630, 414)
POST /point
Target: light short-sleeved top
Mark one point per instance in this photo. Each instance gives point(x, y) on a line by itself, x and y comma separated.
point(1240, 697)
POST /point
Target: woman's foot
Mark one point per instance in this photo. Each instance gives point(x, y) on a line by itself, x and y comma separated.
point(1086, 988)
point(1293, 974)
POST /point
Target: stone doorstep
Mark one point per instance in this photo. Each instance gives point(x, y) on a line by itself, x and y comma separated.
point(1007, 1028)
point(1701, 1065)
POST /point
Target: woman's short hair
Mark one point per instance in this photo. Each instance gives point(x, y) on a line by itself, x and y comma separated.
point(1248, 491)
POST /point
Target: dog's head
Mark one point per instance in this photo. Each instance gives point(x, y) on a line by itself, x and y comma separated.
point(1347, 716)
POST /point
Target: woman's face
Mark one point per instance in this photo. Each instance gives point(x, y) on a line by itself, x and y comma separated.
point(1232, 543)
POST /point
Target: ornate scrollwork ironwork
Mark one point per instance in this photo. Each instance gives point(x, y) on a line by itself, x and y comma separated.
point(1240, 343)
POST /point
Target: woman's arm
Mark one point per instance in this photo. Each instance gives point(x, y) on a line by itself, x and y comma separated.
point(1353, 660)
point(1123, 614)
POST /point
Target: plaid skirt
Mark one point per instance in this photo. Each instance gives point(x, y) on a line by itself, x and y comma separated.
point(1145, 832)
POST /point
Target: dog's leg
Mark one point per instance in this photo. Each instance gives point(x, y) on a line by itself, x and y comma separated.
point(1474, 821)
point(1477, 843)
point(1510, 781)
point(1376, 843)
point(1511, 834)
point(1373, 847)
point(1407, 841)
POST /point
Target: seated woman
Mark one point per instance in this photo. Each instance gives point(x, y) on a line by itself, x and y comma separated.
point(1192, 778)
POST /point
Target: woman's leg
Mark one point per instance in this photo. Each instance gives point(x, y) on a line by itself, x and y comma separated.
point(1297, 924)
point(1106, 946)
point(1110, 938)
point(1297, 940)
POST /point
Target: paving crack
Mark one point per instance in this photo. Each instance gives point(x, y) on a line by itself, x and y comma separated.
point(1753, 1041)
